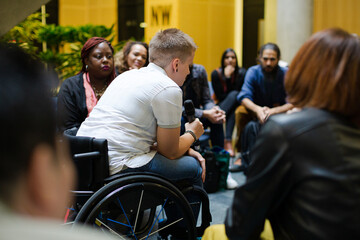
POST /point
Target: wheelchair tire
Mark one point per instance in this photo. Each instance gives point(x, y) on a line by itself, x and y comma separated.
point(130, 206)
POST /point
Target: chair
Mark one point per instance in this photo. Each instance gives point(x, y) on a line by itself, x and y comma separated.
point(131, 205)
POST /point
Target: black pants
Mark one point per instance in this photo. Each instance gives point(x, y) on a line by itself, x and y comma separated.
point(229, 105)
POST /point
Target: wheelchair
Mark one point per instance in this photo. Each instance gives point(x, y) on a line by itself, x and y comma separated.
point(132, 205)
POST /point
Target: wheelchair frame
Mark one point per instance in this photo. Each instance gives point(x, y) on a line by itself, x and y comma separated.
point(131, 205)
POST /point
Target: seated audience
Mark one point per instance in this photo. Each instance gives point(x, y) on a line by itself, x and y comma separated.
point(36, 172)
point(196, 88)
point(140, 114)
point(262, 95)
point(79, 94)
point(227, 82)
point(305, 172)
point(134, 55)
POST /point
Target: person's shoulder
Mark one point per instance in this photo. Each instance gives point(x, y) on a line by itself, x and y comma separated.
point(198, 71)
point(253, 72)
point(74, 80)
point(241, 70)
point(298, 122)
point(198, 67)
point(256, 67)
point(216, 72)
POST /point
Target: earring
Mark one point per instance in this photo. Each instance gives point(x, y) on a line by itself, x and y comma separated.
point(86, 67)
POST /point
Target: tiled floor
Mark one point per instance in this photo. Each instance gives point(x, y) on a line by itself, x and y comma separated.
point(221, 200)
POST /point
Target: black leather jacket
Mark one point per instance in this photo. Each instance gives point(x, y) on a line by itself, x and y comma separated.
point(305, 178)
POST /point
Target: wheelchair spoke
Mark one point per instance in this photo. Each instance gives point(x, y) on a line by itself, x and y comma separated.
point(126, 225)
point(138, 210)
point(127, 219)
point(100, 223)
point(157, 217)
point(161, 229)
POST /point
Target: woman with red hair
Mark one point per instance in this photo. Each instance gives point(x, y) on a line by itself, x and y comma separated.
point(79, 94)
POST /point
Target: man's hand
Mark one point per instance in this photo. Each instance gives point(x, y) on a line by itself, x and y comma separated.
point(215, 115)
point(262, 114)
point(201, 160)
point(196, 126)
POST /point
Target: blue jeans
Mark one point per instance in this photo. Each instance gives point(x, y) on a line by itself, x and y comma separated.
point(183, 168)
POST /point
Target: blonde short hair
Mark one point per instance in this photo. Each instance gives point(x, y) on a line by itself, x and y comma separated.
point(169, 44)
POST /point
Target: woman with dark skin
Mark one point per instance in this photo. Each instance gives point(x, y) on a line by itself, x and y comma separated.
point(227, 82)
point(79, 94)
point(134, 55)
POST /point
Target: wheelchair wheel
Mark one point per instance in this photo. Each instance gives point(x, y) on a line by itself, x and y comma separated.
point(140, 206)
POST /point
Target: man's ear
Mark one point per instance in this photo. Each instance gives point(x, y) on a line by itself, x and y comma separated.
point(40, 181)
point(175, 64)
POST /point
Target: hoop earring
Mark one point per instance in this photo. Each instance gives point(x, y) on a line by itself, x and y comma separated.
point(86, 67)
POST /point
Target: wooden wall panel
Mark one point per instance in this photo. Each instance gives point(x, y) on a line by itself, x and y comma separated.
point(337, 13)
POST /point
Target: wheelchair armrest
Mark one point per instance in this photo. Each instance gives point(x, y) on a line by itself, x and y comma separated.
point(87, 155)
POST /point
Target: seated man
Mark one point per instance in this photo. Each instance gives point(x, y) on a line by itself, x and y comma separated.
point(263, 93)
point(36, 172)
point(140, 114)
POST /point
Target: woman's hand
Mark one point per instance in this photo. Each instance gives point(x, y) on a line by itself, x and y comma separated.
point(229, 69)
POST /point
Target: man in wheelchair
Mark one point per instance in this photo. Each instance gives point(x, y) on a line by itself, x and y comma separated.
point(140, 116)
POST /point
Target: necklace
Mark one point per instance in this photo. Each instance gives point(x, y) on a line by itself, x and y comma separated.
point(99, 93)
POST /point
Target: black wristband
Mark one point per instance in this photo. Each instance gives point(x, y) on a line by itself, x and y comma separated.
point(192, 134)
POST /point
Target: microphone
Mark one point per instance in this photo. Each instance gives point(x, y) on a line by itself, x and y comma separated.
point(190, 114)
point(189, 110)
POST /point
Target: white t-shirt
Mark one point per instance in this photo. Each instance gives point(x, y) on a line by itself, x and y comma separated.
point(130, 110)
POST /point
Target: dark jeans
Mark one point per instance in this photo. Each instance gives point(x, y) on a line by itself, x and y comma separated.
point(229, 105)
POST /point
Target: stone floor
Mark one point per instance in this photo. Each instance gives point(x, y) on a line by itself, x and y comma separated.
point(221, 200)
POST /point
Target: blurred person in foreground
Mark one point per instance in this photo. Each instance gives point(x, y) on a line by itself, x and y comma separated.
point(79, 94)
point(305, 175)
point(36, 172)
point(134, 55)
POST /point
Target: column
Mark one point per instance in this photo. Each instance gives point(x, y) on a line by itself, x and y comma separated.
point(294, 25)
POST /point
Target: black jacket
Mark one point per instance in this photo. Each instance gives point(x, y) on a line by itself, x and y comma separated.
point(304, 177)
point(71, 102)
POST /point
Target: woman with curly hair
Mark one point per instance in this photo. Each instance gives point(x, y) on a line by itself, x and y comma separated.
point(134, 55)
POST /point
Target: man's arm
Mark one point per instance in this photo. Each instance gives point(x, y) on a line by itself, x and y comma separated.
point(260, 112)
point(280, 109)
point(170, 145)
point(263, 113)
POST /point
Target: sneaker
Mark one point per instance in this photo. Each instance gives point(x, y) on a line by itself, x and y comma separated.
point(231, 183)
